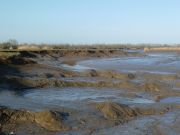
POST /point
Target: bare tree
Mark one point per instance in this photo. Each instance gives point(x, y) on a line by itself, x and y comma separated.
point(13, 42)
point(10, 44)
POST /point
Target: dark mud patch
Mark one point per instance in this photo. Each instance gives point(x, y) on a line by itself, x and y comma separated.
point(27, 54)
point(20, 61)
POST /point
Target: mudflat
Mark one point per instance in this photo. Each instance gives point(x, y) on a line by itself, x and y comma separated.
point(90, 92)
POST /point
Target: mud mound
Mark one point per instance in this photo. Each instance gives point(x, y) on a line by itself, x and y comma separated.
point(88, 53)
point(155, 109)
point(115, 111)
point(21, 59)
point(110, 74)
point(47, 119)
point(123, 113)
point(161, 76)
point(153, 86)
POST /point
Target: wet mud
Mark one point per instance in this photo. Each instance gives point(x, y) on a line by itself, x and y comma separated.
point(90, 92)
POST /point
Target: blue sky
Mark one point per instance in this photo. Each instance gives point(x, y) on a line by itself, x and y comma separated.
point(90, 21)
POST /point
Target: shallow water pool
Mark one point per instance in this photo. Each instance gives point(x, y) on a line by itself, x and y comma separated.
point(66, 97)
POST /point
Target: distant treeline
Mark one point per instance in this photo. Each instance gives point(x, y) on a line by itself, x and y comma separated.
point(13, 44)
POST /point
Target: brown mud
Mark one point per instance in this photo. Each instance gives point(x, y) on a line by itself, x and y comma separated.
point(153, 97)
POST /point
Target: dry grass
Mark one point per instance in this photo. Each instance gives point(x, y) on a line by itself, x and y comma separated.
point(8, 54)
point(147, 49)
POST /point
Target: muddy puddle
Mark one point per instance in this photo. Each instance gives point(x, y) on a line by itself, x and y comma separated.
point(163, 63)
point(54, 98)
point(171, 100)
point(78, 68)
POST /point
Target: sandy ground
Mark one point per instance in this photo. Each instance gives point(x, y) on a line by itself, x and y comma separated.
point(90, 92)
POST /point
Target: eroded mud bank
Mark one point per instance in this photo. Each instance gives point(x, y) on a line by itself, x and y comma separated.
point(87, 92)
